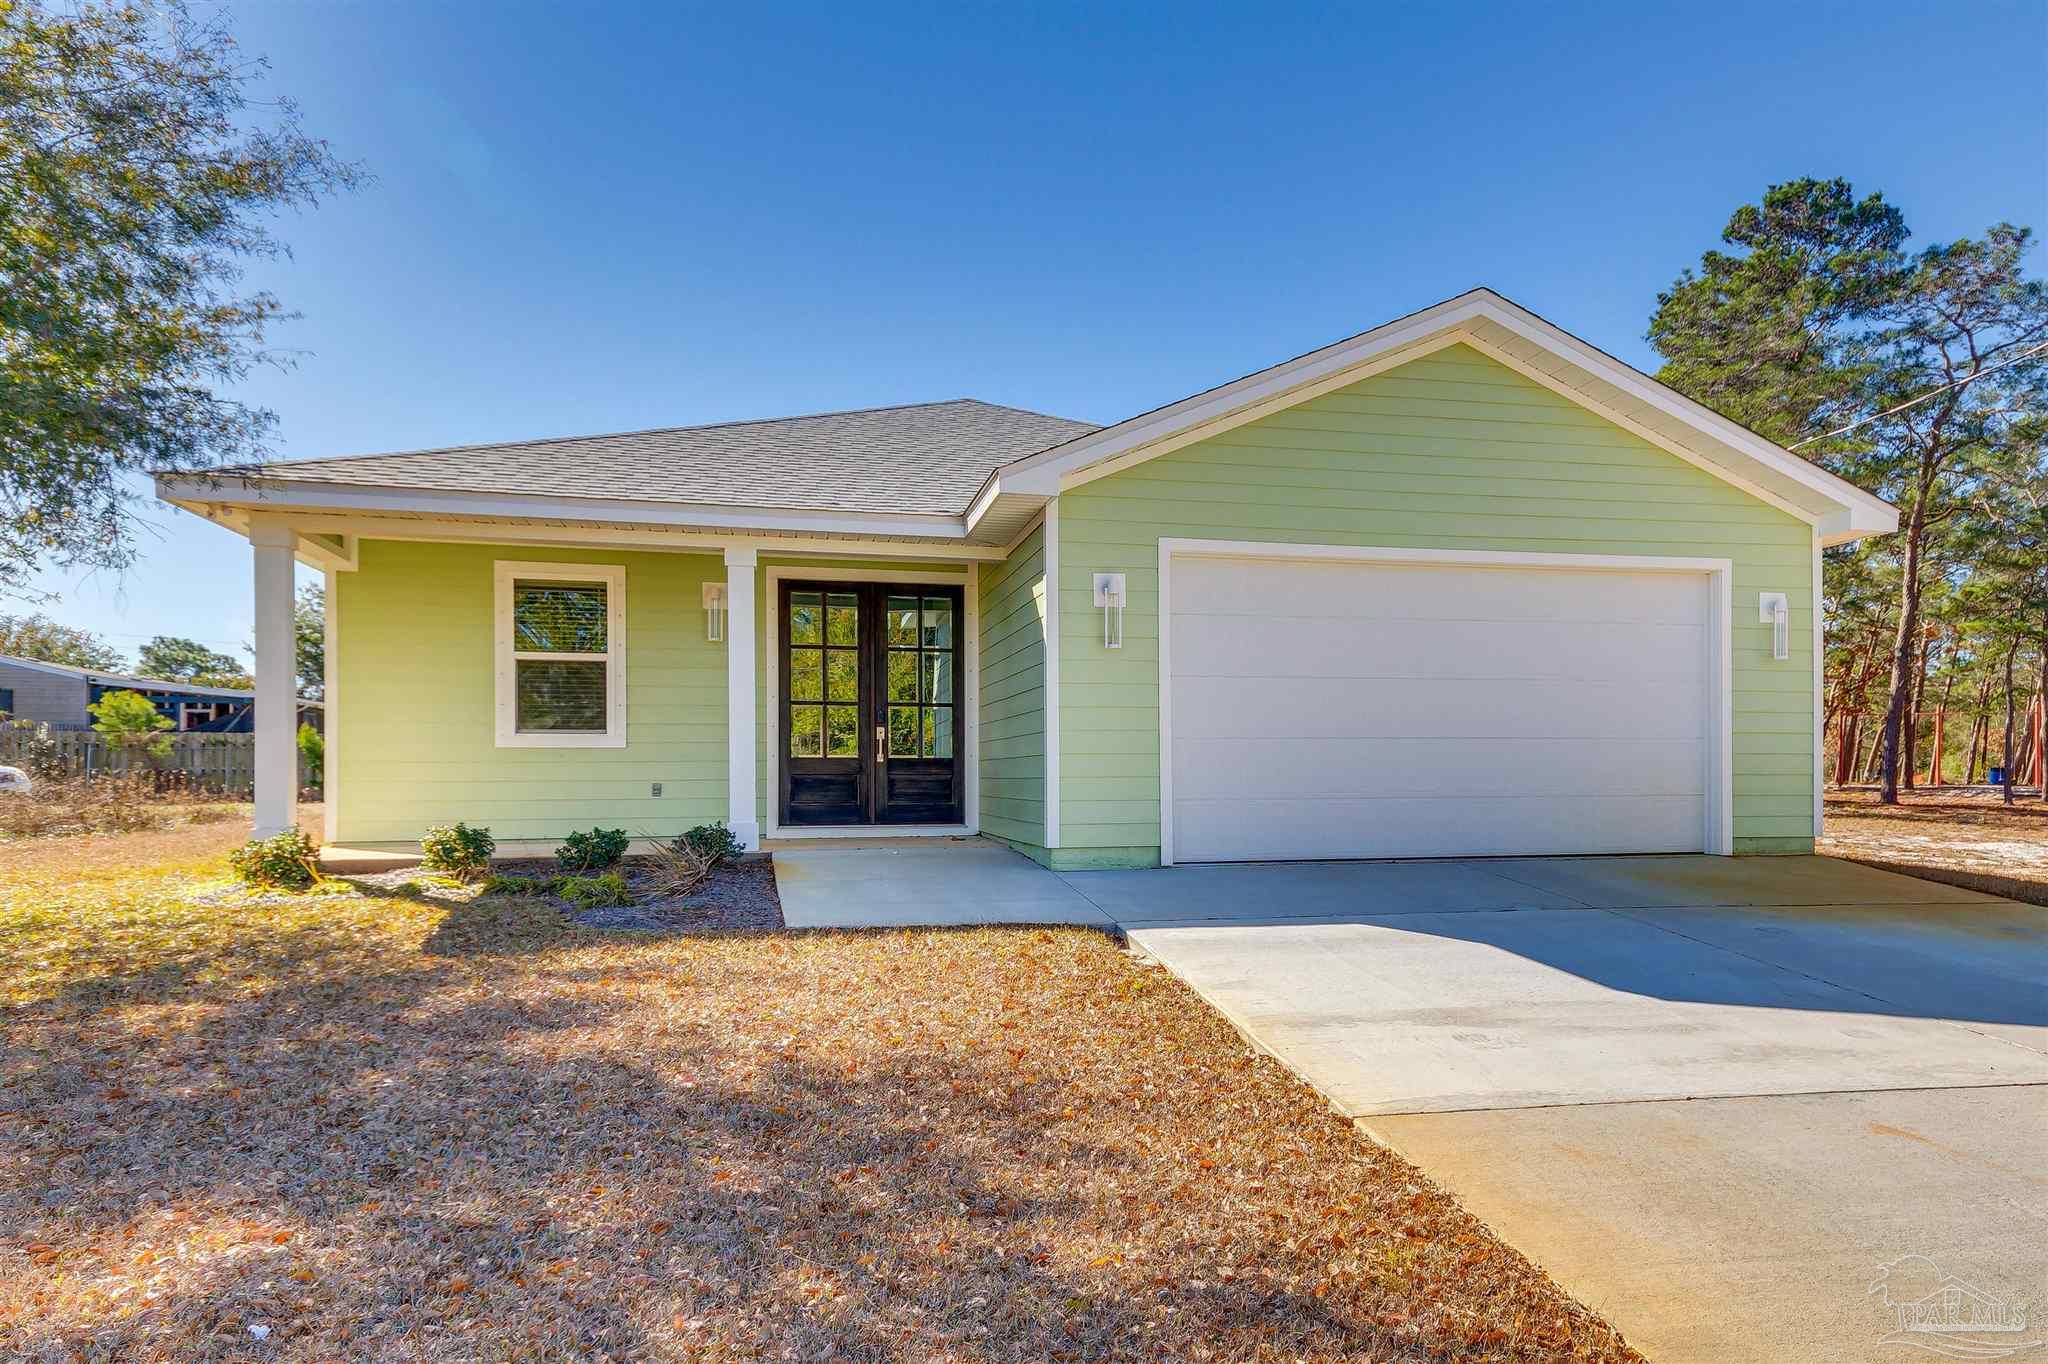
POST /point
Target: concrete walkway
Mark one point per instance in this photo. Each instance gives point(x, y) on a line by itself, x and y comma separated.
point(1713, 1097)
point(925, 882)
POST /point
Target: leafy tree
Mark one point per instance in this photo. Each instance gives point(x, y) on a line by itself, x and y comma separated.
point(129, 720)
point(309, 623)
point(137, 174)
point(187, 660)
point(312, 753)
point(41, 638)
point(1823, 321)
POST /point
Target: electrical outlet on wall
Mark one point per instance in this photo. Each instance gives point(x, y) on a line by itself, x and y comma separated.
point(655, 789)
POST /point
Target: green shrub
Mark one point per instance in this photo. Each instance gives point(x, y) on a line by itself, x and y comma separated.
point(595, 892)
point(312, 754)
point(283, 860)
point(458, 848)
point(713, 842)
point(521, 885)
point(592, 851)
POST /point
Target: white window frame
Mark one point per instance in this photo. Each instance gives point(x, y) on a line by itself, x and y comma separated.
point(613, 576)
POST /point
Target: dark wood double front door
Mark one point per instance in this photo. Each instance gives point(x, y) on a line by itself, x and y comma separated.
point(870, 727)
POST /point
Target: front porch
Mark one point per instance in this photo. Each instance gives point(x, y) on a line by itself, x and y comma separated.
point(536, 690)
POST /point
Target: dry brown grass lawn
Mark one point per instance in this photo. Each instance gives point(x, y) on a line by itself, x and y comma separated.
point(1970, 840)
point(347, 1128)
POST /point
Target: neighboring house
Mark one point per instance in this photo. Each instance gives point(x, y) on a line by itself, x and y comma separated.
point(57, 694)
point(1462, 584)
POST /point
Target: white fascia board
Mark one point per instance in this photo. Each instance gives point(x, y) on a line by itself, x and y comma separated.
point(1844, 511)
point(230, 490)
point(355, 528)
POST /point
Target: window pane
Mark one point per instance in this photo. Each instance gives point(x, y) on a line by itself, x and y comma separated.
point(938, 678)
point(806, 675)
point(842, 731)
point(938, 623)
point(938, 732)
point(903, 674)
point(902, 620)
point(806, 732)
point(842, 618)
point(903, 731)
point(842, 675)
point(561, 698)
point(806, 618)
point(558, 618)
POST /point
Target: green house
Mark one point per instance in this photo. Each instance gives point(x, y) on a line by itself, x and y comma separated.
point(1459, 585)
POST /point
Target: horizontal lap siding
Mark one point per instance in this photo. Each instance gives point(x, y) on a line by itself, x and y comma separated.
point(416, 702)
point(1013, 694)
point(1451, 451)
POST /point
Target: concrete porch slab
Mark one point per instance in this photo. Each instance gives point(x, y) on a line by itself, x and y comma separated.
point(924, 882)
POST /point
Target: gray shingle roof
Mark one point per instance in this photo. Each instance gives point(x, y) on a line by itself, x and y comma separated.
point(925, 458)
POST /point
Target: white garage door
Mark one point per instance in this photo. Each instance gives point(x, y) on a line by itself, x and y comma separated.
point(1324, 709)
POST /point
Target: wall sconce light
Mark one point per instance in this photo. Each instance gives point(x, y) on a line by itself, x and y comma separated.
point(1775, 610)
point(714, 612)
point(1109, 595)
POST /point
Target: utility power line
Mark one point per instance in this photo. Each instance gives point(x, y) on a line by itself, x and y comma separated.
point(1931, 393)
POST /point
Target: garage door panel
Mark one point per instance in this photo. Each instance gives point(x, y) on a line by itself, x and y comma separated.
point(1287, 644)
point(1326, 709)
point(1463, 826)
point(1434, 592)
point(1323, 768)
point(1256, 708)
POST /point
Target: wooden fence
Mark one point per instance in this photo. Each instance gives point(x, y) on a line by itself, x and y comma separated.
point(216, 762)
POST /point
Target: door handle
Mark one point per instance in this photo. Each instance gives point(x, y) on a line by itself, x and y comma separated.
point(881, 743)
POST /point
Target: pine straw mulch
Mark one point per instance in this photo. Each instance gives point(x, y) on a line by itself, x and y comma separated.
point(353, 1128)
point(1962, 836)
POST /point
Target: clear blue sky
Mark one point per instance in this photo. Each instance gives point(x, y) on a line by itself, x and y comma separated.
point(602, 217)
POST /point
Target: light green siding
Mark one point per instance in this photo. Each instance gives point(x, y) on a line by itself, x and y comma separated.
point(1013, 695)
point(1449, 451)
point(415, 709)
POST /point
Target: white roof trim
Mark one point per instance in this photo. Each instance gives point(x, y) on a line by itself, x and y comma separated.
point(238, 490)
point(1839, 509)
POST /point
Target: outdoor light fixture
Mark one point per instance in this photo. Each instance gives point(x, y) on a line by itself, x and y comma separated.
point(714, 612)
point(1775, 610)
point(1109, 595)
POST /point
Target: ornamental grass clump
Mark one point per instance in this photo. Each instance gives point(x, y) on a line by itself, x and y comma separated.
point(281, 862)
point(608, 891)
point(457, 849)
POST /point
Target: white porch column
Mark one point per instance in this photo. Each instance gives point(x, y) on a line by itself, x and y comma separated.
point(743, 741)
point(277, 757)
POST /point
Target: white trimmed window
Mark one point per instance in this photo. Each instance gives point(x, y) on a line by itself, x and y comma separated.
point(561, 655)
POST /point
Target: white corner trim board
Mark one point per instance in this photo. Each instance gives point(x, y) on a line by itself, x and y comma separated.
point(970, 698)
point(1308, 711)
point(1052, 674)
point(505, 572)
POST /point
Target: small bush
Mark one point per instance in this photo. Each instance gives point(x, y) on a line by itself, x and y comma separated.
point(595, 892)
point(592, 851)
point(713, 842)
point(520, 885)
point(458, 848)
point(283, 860)
point(312, 754)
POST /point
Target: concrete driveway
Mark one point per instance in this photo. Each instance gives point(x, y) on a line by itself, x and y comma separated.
point(1713, 1097)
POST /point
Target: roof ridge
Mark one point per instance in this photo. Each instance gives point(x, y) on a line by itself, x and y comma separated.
point(642, 431)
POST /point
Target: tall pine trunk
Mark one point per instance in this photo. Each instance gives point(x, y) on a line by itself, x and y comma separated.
point(2011, 652)
point(1906, 652)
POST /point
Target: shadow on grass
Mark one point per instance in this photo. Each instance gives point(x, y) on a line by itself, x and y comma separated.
point(415, 1148)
